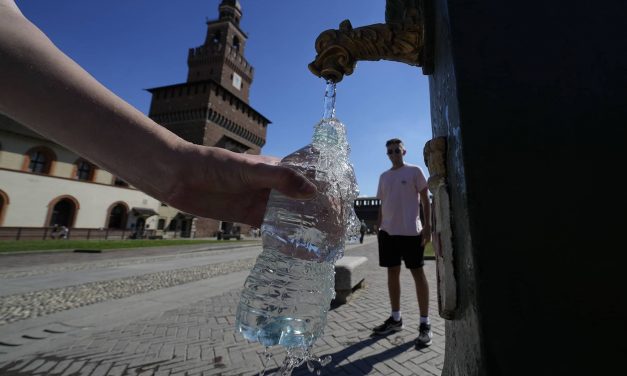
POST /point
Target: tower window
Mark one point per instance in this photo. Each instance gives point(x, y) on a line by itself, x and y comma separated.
point(216, 37)
point(236, 43)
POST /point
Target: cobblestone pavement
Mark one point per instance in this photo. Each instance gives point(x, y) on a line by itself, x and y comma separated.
point(198, 339)
point(42, 302)
point(99, 283)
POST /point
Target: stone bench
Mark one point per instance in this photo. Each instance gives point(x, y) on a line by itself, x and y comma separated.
point(350, 272)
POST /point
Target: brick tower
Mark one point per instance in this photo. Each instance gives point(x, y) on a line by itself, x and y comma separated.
point(212, 107)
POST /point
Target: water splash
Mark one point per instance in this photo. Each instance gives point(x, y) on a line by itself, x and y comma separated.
point(294, 358)
point(265, 360)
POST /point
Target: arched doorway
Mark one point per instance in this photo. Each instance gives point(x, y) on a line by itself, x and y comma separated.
point(4, 202)
point(117, 216)
point(63, 213)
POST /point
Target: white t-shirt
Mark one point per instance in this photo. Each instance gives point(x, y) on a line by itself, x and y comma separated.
point(399, 192)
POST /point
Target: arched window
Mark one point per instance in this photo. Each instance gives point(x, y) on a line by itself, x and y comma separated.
point(84, 170)
point(236, 43)
point(119, 182)
point(63, 211)
point(117, 216)
point(4, 202)
point(39, 160)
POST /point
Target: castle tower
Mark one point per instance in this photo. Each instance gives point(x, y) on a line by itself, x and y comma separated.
point(212, 108)
point(221, 57)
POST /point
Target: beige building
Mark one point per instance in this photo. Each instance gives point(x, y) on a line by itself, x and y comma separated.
point(43, 184)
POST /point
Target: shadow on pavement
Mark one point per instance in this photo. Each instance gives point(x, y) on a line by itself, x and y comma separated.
point(360, 366)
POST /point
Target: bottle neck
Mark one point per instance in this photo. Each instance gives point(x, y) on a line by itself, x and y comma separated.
point(329, 101)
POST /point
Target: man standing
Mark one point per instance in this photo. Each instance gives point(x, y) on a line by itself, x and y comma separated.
point(402, 236)
point(362, 231)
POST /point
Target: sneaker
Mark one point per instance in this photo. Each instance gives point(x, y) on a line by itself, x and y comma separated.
point(390, 325)
point(425, 335)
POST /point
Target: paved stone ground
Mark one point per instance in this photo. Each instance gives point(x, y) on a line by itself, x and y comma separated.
point(198, 339)
point(26, 264)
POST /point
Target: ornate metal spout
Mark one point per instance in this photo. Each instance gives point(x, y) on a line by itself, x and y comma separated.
point(405, 37)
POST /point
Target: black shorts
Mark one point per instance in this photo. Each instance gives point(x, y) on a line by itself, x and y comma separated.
point(394, 248)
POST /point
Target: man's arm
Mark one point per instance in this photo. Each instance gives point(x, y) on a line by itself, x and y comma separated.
point(426, 210)
point(379, 196)
point(48, 92)
point(45, 90)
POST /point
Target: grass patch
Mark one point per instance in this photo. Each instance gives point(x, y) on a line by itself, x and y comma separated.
point(62, 245)
point(429, 252)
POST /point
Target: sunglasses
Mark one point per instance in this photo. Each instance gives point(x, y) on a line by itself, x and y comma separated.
point(397, 151)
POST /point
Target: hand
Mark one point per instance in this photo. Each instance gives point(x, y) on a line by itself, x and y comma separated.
point(220, 184)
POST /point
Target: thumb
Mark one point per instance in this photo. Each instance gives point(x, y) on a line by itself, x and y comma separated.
point(283, 179)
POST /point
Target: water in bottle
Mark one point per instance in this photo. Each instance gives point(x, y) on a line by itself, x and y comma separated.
point(287, 295)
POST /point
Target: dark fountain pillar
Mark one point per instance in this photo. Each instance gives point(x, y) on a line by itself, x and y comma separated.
point(532, 99)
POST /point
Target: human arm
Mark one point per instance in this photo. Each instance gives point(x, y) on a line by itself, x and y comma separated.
point(379, 219)
point(380, 210)
point(426, 210)
point(45, 90)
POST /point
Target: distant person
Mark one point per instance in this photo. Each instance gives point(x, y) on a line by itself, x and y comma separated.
point(76, 111)
point(63, 233)
point(402, 190)
point(362, 231)
point(55, 231)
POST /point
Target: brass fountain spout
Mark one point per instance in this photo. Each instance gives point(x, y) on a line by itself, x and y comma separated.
point(406, 37)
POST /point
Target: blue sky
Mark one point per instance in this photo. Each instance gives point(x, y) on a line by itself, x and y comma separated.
point(130, 46)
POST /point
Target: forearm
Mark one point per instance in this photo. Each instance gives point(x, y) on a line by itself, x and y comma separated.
point(45, 90)
point(426, 210)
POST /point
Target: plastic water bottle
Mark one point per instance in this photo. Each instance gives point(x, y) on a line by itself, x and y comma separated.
point(287, 295)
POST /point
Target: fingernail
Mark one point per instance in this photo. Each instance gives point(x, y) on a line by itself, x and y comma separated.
point(307, 188)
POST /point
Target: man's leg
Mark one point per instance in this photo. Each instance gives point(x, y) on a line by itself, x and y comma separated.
point(422, 290)
point(394, 287)
point(391, 260)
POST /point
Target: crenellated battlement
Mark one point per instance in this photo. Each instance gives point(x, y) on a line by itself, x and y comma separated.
point(209, 53)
